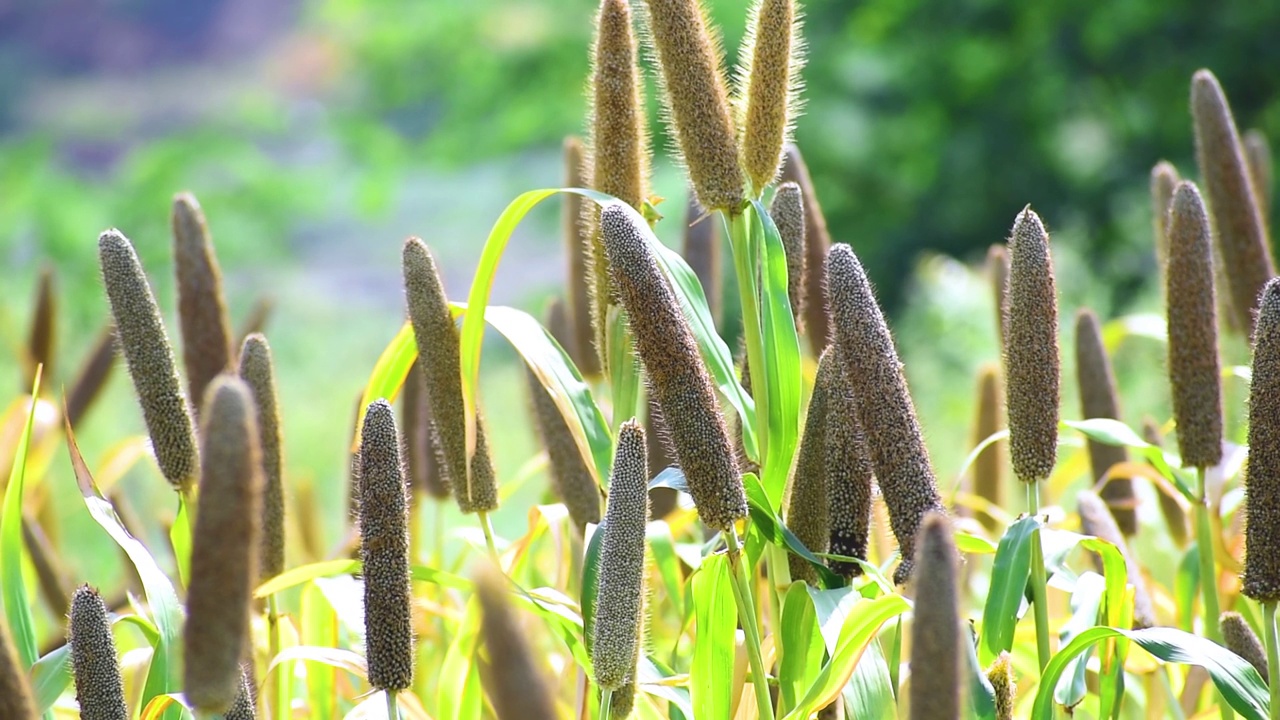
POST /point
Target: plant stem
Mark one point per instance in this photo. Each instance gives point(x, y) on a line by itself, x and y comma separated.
point(281, 699)
point(895, 656)
point(393, 710)
point(1273, 655)
point(488, 537)
point(746, 268)
point(747, 614)
point(1208, 568)
point(606, 703)
point(1039, 593)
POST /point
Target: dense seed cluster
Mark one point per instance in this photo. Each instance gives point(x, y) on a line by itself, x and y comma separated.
point(849, 476)
point(696, 102)
point(808, 507)
point(1193, 331)
point(224, 546)
point(701, 249)
point(384, 551)
point(620, 598)
point(147, 352)
point(817, 240)
point(578, 249)
point(99, 685)
point(244, 707)
point(1004, 683)
point(1164, 177)
point(92, 376)
point(16, 700)
point(1237, 222)
point(677, 377)
point(619, 144)
point(769, 81)
point(998, 271)
point(624, 701)
point(421, 441)
point(437, 339)
point(1262, 479)
point(1257, 156)
point(988, 467)
point(1031, 351)
point(513, 681)
point(570, 475)
point(1241, 640)
point(1096, 519)
point(202, 313)
point(787, 211)
point(258, 372)
point(1100, 399)
point(936, 632)
point(898, 455)
point(40, 340)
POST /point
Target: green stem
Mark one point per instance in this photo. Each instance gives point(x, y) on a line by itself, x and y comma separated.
point(488, 537)
point(606, 703)
point(280, 707)
point(747, 614)
point(1039, 580)
point(1273, 655)
point(393, 710)
point(895, 656)
point(1208, 568)
point(746, 267)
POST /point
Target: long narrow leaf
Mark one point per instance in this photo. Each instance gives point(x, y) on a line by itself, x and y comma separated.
point(17, 608)
point(50, 676)
point(717, 616)
point(388, 374)
point(1012, 567)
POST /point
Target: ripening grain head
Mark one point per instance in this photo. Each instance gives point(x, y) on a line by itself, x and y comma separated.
point(998, 271)
point(817, 240)
point(1164, 177)
point(16, 700)
point(513, 681)
point(787, 211)
point(619, 144)
point(40, 340)
point(202, 313)
point(768, 86)
point(99, 685)
point(1241, 640)
point(849, 475)
point(1257, 156)
point(1004, 683)
point(244, 707)
point(1262, 478)
point(1100, 399)
point(988, 467)
point(572, 479)
point(808, 507)
point(258, 372)
point(936, 633)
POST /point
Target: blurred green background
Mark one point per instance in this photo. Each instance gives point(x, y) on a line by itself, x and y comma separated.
point(317, 135)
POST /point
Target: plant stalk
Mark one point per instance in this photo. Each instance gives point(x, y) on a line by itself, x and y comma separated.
point(1208, 567)
point(1039, 593)
point(747, 614)
point(393, 710)
point(1273, 656)
point(280, 704)
point(746, 263)
point(487, 527)
point(606, 703)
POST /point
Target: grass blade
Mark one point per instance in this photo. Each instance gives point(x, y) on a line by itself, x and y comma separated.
point(388, 374)
point(17, 608)
point(1009, 574)
point(713, 655)
point(50, 676)
point(800, 646)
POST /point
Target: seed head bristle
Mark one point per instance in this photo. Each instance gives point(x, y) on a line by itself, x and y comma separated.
point(1257, 156)
point(988, 467)
point(677, 376)
point(40, 341)
point(1031, 351)
point(384, 551)
point(514, 682)
point(92, 376)
point(787, 211)
point(572, 479)
point(244, 707)
point(1171, 506)
point(1003, 682)
point(99, 685)
point(689, 60)
point(1237, 221)
point(202, 313)
point(258, 372)
point(998, 271)
point(1262, 478)
point(808, 506)
point(1193, 331)
point(702, 251)
point(1241, 640)
point(437, 339)
point(817, 241)
point(849, 476)
point(620, 599)
point(224, 546)
point(421, 441)
point(146, 349)
point(768, 87)
point(1100, 399)
point(1096, 519)
point(16, 699)
point(578, 249)
point(898, 455)
point(936, 631)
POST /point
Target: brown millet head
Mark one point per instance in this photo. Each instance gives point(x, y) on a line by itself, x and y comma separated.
point(620, 599)
point(619, 144)
point(988, 467)
point(1164, 178)
point(1100, 399)
point(1004, 683)
point(1193, 331)
point(92, 376)
point(1262, 476)
point(702, 251)
point(849, 476)
point(1241, 640)
point(768, 84)
point(677, 376)
point(1096, 519)
point(1171, 508)
point(1257, 156)
point(577, 248)
point(140, 334)
point(817, 240)
point(998, 271)
point(898, 455)
point(244, 707)
point(1031, 351)
point(16, 698)
point(808, 507)
point(514, 681)
point(258, 372)
point(696, 102)
point(624, 701)
point(99, 685)
point(422, 444)
point(384, 551)
point(43, 329)
point(1237, 221)
point(202, 313)
point(936, 632)
point(437, 339)
point(787, 211)
point(572, 479)
point(224, 546)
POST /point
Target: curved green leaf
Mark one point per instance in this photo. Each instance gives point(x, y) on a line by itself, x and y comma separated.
point(388, 374)
point(766, 521)
point(17, 608)
point(799, 644)
point(717, 621)
point(1009, 573)
point(50, 676)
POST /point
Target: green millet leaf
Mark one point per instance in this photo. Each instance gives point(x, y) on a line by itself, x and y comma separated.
point(99, 685)
point(1096, 519)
